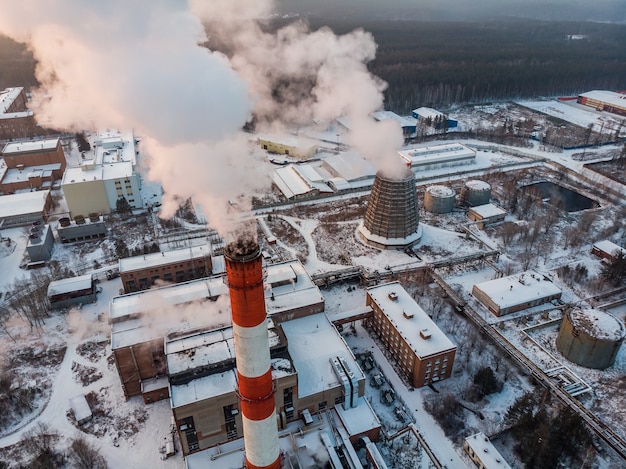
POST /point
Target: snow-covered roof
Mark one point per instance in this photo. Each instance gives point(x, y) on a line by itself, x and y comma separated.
point(433, 154)
point(114, 146)
point(426, 112)
point(284, 296)
point(18, 175)
point(82, 174)
point(144, 302)
point(488, 211)
point(390, 115)
point(518, 289)
point(68, 285)
point(410, 320)
point(358, 420)
point(7, 96)
point(477, 185)
point(312, 341)
point(486, 452)
point(199, 389)
point(123, 169)
point(31, 145)
point(609, 247)
point(609, 97)
point(81, 408)
point(440, 191)
point(350, 166)
point(147, 261)
point(597, 324)
point(290, 182)
point(23, 203)
point(289, 140)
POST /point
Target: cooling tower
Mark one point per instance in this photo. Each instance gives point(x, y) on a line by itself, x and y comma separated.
point(391, 219)
point(244, 269)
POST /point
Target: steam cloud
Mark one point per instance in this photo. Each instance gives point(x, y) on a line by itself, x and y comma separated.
point(140, 65)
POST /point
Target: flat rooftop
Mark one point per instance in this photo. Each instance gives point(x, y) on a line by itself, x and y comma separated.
point(131, 264)
point(7, 96)
point(410, 320)
point(68, 285)
point(312, 341)
point(30, 146)
point(447, 152)
point(609, 97)
point(486, 452)
point(488, 210)
point(23, 203)
point(518, 289)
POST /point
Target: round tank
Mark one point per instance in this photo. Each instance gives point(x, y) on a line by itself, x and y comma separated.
point(590, 337)
point(65, 221)
point(439, 199)
point(475, 193)
point(94, 217)
point(79, 219)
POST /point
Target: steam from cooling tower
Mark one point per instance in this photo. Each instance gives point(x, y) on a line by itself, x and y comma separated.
point(140, 65)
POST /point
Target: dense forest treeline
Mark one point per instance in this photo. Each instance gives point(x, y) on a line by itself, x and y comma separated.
point(441, 63)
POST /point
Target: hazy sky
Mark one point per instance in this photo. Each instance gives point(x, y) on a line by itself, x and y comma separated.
point(570, 10)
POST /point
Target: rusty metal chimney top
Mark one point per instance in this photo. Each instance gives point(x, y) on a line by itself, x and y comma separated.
point(244, 249)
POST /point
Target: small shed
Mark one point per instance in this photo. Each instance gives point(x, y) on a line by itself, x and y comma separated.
point(607, 250)
point(486, 215)
point(80, 408)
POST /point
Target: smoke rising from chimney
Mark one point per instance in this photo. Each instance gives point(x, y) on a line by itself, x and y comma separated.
point(140, 65)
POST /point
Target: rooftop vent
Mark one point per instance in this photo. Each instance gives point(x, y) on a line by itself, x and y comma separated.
point(407, 315)
point(425, 334)
point(393, 296)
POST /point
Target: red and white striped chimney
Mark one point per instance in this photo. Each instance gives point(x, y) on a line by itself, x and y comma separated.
point(244, 269)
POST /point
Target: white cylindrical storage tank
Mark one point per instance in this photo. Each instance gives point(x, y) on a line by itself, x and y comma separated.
point(439, 199)
point(590, 337)
point(475, 193)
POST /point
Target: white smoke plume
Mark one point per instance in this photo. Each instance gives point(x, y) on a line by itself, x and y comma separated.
point(139, 64)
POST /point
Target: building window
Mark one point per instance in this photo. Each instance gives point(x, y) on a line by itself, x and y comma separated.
point(322, 405)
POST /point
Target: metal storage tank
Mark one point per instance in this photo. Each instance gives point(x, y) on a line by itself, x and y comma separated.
point(392, 218)
point(439, 199)
point(476, 192)
point(590, 337)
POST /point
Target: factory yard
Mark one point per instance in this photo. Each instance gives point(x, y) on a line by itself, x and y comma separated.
point(551, 233)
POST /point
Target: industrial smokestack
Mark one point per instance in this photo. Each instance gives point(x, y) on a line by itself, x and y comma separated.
point(244, 269)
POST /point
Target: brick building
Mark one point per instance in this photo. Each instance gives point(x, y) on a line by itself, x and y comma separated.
point(141, 272)
point(16, 120)
point(31, 165)
point(422, 351)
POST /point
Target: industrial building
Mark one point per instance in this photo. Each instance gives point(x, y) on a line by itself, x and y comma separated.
point(392, 218)
point(40, 243)
point(289, 145)
point(180, 265)
point(485, 215)
point(602, 100)
point(408, 124)
point(482, 452)
point(141, 320)
point(72, 291)
point(421, 350)
point(333, 172)
point(607, 250)
point(438, 156)
point(81, 228)
point(24, 208)
point(16, 120)
point(107, 173)
point(31, 164)
point(433, 118)
point(516, 292)
point(590, 337)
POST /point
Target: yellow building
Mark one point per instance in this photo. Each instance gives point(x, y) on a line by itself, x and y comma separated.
point(288, 145)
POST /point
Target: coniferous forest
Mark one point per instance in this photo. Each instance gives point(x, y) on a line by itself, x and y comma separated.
point(439, 64)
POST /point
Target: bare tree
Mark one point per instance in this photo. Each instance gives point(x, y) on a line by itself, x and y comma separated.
point(84, 455)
